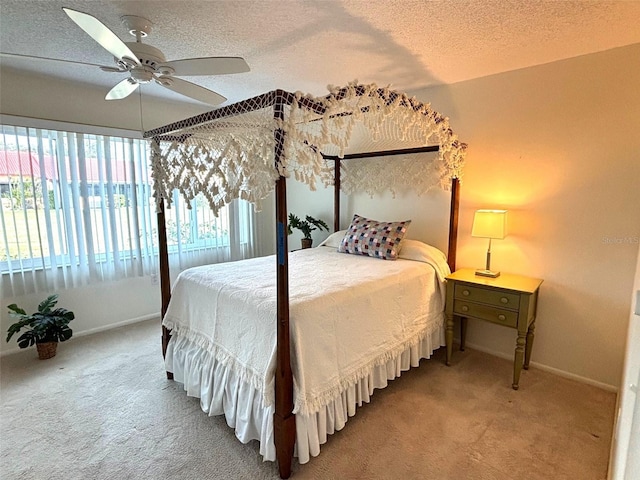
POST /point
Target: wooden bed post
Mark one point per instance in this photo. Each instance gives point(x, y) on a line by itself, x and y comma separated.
point(283, 418)
point(165, 281)
point(336, 195)
point(451, 258)
point(453, 224)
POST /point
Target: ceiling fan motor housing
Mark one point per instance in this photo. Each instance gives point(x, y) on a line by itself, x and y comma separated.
point(146, 54)
point(150, 59)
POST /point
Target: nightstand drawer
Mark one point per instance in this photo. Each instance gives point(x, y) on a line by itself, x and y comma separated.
point(486, 312)
point(490, 297)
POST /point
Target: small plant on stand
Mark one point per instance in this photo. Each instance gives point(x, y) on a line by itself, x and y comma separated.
point(45, 328)
point(306, 226)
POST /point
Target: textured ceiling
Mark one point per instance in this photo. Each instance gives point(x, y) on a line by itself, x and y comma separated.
point(306, 45)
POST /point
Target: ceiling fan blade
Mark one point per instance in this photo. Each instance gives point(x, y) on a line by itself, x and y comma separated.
point(122, 90)
point(19, 56)
point(192, 90)
point(113, 69)
point(208, 66)
point(101, 34)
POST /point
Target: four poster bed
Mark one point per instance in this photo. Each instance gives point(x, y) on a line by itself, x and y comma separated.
point(288, 357)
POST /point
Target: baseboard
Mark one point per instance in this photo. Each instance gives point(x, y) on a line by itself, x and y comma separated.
point(546, 368)
point(119, 324)
point(91, 331)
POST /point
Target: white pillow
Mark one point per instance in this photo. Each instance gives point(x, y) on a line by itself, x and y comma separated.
point(422, 252)
point(334, 239)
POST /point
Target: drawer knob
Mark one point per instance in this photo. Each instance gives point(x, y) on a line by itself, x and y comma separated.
point(465, 308)
point(501, 317)
point(466, 293)
point(504, 300)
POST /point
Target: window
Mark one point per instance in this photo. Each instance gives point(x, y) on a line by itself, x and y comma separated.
point(79, 208)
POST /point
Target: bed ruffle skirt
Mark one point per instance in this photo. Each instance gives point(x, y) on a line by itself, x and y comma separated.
point(221, 391)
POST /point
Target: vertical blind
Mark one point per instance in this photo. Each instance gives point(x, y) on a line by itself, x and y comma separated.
point(78, 208)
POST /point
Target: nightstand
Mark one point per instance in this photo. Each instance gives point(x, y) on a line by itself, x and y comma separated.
point(508, 300)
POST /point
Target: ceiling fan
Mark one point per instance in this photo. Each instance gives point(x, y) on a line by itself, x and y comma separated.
point(145, 63)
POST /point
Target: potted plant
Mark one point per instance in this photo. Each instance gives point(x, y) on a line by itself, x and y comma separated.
point(46, 327)
point(306, 226)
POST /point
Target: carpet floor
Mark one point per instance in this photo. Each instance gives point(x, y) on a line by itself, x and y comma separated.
point(103, 409)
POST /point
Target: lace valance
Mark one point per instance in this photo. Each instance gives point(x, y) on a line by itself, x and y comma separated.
point(231, 152)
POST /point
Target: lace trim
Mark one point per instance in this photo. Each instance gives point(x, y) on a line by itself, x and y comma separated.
point(312, 403)
point(246, 374)
point(303, 404)
point(233, 157)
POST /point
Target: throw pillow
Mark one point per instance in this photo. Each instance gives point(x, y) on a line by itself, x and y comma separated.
point(374, 238)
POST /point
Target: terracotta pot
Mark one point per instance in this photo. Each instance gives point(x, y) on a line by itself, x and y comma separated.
point(46, 350)
point(306, 242)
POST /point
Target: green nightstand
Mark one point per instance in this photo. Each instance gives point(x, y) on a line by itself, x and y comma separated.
point(509, 300)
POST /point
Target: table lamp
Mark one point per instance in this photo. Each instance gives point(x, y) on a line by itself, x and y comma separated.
point(489, 224)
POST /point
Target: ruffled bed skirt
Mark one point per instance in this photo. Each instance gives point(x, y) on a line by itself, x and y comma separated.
point(221, 391)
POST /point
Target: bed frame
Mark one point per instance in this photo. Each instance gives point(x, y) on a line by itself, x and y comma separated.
point(284, 419)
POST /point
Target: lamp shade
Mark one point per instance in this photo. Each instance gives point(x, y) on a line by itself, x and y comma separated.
point(489, 224)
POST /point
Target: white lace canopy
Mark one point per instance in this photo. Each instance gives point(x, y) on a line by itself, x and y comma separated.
point(240, 150)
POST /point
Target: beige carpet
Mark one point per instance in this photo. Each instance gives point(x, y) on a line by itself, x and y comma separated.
point(103, 409)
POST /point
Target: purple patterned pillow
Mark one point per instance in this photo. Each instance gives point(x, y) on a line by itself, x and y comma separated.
point(371, 237)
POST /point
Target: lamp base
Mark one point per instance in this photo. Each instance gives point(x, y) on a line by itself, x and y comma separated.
point(487, 273)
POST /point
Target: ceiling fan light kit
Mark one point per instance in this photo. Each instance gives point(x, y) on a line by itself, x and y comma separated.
point(145, 63)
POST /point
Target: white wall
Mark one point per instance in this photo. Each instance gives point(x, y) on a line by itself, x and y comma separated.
point(558, 146)
point(428, 213)
point(96, 307)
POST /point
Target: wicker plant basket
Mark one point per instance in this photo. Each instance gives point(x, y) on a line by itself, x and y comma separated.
point(306, 242)
point(46, 350)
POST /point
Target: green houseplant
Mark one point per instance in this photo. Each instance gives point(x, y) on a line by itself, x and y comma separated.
point(306, 226)
point(45, 328)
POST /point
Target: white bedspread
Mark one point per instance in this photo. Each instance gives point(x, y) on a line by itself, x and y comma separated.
point(348, 314)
